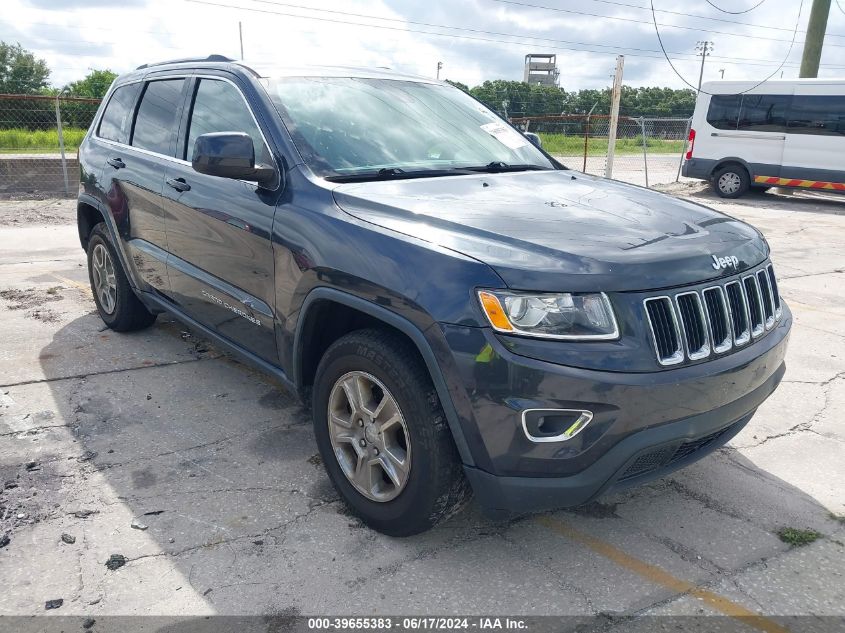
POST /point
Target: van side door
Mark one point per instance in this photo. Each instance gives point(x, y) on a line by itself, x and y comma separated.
point(750, 127)
point(815, 139)
point(221, 264)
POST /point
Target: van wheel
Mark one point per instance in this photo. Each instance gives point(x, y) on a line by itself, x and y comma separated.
point(731, 181)
point(382, 434)
point(117, 304)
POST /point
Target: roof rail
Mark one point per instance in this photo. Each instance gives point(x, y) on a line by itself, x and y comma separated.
point(210, 58)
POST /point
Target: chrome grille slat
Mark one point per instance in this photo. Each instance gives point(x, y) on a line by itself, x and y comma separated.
point(664, 330)
point(718, 318)
point(695, 324)
point(773, 284)
point(755, 304)
point(738, 307)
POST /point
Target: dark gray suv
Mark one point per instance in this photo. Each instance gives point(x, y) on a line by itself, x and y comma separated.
point(462, 312)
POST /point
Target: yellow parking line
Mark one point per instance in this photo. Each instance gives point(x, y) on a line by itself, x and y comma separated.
point(662, 577)
point(76, 284)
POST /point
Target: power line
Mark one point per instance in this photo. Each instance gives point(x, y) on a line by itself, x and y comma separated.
point(649, 22)
point(718, 8)
point(614, 48)
point(659, 53)
point(681, 77)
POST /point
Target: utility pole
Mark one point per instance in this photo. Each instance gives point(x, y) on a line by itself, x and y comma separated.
point(439, 66)
point(814, 39)
point(241, 35)
point(615, 98)
point(704, 49)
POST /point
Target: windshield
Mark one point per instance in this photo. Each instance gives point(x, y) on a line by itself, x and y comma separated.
point(348, 126)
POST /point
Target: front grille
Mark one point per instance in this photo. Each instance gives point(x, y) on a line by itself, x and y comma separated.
point(696, 324)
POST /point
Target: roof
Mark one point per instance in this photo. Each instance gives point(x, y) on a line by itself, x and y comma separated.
point(270, 69)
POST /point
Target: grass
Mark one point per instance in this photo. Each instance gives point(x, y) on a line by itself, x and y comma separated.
point(569, 145)
point(796, 537)
point(20, 140)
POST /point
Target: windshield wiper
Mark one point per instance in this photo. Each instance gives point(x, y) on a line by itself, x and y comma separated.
point(498, 166)
point(394, 173)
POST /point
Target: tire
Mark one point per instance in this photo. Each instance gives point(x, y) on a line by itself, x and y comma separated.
point(387, 370)
point(117, 304)
point(731, 181)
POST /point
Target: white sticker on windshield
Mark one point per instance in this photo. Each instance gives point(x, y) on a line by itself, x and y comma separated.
point(505, 135)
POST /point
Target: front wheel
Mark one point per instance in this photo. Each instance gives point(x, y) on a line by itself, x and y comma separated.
point(382, 434)
point(731, 181)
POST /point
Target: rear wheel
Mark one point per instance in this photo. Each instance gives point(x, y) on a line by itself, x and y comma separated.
point(731, 181)
point(117, 304)
point(383, 436)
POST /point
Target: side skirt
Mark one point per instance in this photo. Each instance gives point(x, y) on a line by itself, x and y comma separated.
point(258, 363)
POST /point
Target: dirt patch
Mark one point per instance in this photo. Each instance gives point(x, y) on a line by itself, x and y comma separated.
point(20, 299)
point(50, 212)
point(45, 315)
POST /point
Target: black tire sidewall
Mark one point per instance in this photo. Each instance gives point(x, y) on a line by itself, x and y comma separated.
point(99, 236)
point(410, 511)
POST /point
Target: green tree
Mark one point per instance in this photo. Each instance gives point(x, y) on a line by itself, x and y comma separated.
point(95, 84)
point(457, 84)
point(20, 71)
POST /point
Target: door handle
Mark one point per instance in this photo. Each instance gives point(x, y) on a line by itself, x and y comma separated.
point(179, 184)
point(116, 163)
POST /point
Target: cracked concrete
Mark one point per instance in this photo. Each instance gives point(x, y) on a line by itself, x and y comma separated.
point(218, 463)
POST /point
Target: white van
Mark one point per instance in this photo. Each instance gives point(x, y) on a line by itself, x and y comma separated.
point(779, 134)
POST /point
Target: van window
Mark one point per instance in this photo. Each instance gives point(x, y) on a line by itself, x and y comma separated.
point(156, 118)
point(817, 114)
point(219, 107)
point(723, 112)
point(763, 113)
point(116, 120)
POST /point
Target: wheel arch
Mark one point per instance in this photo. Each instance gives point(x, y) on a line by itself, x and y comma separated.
point(88, 215)
point(732, 159)
point(342, 313)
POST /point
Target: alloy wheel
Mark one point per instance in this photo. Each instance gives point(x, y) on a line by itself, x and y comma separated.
point(369, 436)
point(105, 283)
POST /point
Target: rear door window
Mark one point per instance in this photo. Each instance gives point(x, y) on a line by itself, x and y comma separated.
point(219, 107)
point(117, 118)
point(817, 114)
point(155, 122)
point(723, 113)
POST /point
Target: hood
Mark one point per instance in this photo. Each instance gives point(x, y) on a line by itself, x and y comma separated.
point(562, 230)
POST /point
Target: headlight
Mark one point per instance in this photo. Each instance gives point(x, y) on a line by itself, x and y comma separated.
point(566, 315)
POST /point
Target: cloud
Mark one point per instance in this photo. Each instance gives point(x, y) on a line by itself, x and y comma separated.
point(410, 36)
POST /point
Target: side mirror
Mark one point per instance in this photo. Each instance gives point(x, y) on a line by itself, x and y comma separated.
point(229, 155)
point(534, 138)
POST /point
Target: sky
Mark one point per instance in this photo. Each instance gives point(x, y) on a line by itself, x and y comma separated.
point(475, 40)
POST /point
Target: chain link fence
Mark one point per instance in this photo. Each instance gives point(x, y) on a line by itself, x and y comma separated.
point(648, 151)
point(39, 136)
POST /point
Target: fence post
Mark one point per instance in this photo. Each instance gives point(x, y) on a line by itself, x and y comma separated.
point(645, 150)
point(62, 142)
point(683, 149)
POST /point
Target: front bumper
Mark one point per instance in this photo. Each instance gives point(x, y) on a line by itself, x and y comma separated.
point(645, 425)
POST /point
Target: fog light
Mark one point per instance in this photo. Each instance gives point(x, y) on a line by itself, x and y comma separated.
point(554, 425)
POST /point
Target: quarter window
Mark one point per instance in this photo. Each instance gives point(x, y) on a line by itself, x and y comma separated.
point(116, 120)
point(219, 107)
point(156, 117)
point(817, 114)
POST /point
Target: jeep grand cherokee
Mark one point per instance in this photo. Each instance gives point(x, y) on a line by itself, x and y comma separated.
point(463, 313)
